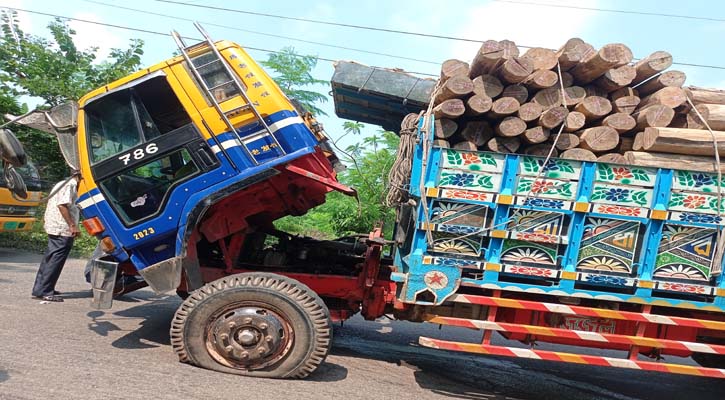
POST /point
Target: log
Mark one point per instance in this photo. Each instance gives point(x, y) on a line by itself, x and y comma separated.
point(694, 142)
point(541, 79)
point(548, 98)
point(477, 132)
point(535, 135)
point(714, 114)
point(506, 145)
point(578, 154)
point(454, 88)
point(637, 143)
point(574, 121)
point(515, 70)
point(490, 56)
point(541, 58)
point(553, 117)
point(672, 161)
point(478, 105)
point(654, 116)
point(530, 111)
point(453, 67)
point(672, 97)
point(625, 104)
point(445, 128)
point(503, 107)
point(621, 122)
point(465, 145)
point(574, 95)
point(541, 150)
point(666, 79)
point(651, 65)
point(566, 141)
point(599, 139)
point(610, 56)
point(623, 92)
point(487, 85)
point(625, 144)
point(700, 95)
point(518, 92)
point(612, 158)
point(616, 78)
point(567, 79)
point(573, 52)
point(452, 108)
point(594, 107)
point(510, 127)
point(441, 143)
point(593, 90)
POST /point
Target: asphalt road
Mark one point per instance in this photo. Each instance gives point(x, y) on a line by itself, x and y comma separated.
point(68, 351)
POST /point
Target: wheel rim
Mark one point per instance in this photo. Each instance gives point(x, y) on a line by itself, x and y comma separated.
point(248, 337)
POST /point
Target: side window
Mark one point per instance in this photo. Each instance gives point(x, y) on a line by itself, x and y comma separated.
point(215, 76)
point(140, 192)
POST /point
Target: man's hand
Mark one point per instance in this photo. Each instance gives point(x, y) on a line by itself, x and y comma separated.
point(75, 231)
point(65, 212)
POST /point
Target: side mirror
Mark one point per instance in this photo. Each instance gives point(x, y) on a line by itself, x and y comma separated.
point(14, 181)
point(11, 151)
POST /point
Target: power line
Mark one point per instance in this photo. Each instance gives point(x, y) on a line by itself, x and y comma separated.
point(168, 34)
point(315, 21)
point(532, 3)
point(263, 33)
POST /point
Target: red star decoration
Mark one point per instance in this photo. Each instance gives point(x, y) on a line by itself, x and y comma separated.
point(436, 278)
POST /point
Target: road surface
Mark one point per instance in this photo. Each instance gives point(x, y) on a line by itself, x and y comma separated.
point(68, 351)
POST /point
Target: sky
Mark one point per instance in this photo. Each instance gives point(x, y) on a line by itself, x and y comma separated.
point(527, 22)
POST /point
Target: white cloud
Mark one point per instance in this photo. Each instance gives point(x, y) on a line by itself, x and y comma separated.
point(526, 25)
point(91, 35)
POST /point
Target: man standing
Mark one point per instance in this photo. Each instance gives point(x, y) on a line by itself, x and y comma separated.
point(61, 225)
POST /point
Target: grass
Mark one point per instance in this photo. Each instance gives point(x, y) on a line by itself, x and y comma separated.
point(36, 240)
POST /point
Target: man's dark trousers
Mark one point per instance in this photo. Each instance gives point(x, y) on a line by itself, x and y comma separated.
point(50, 268)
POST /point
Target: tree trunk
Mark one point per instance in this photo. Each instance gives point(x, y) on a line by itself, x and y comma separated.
point(548, 98)
point(651, 66)
point(530, 111)
point(574, 121)
point(511, 126)
point(542, 59)
point(515, 70)
point(573, 52)
point(490, 56)
point(672, 97)
point(536, 135)
point(478, 105)
point(594, 107)
point(610, 56)
point(506, 145)
point(445, 128)
point(541, 79)
point(700, 95)
point(454, 88)
point(625, 104)
point(518, 92)
point(612, 158)
point(487, 85)
point(599, 139)
point(453, 67)
point(666, 79)
point(541, 150)
point(654, 116)
point(616, 78)
point(574, 95)
point(714, 114)
point(465, 145)
point(441, 143)
point(553, 117)
point(478, 132)
point(503, 107)
point(672, 161)
point(567, 79)
point(695, 142)
point(566, 141)
point(621, 122)
point(452, 108)
point(578, 154)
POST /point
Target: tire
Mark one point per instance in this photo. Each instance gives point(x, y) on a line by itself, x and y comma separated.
point(253, 324)
point(11, 150)
point(15, 182)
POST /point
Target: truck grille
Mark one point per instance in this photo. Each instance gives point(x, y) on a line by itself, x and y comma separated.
point(16, 211)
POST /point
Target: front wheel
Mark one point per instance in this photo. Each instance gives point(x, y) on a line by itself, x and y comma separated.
point(254, 324)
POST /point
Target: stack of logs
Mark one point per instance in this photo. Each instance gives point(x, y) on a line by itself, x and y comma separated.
point(612, 109)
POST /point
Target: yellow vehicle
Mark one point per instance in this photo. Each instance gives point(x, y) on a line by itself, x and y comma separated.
point(20, 215)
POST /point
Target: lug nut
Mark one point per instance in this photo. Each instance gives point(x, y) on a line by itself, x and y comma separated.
point(261, 350)
point(224, 336)
point(247, 320)
point(244, 355)
point(232, 324)
point(263, 325)
point(229, 348)
point(268, 338)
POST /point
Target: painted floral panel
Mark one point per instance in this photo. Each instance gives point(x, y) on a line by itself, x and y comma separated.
point(625, 175)
point(486, 182)
point(686, 252)
point(472, 161)
point(454, 213)
point(695, 203)
point(621, 195)
point(554, 168)
point(696, 182)
point(548, 188)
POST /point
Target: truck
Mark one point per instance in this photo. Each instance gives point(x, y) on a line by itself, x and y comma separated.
point(18, 214)
point(187, 164)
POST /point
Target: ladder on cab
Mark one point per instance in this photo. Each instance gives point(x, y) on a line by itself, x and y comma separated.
point(234, 80)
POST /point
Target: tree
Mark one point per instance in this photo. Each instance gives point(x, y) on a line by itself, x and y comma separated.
point(56, 71)
point(292, 72)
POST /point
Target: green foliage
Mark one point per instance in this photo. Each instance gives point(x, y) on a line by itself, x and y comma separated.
point(292, 71)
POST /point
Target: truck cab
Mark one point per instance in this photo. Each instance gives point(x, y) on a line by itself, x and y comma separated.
point(19, 215)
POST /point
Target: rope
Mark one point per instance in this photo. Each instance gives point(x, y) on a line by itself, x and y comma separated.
point(716, 262)
point(399, 175)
